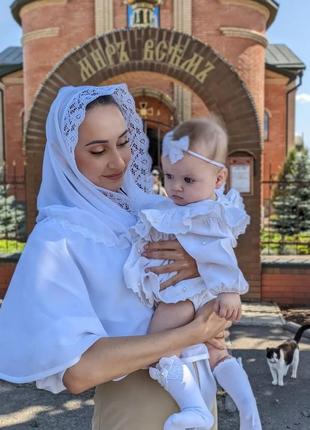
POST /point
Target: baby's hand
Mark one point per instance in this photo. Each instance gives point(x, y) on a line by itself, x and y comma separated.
point(228, 306)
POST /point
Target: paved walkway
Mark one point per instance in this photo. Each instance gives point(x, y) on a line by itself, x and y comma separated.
point(288, 407)
point(23, 407)
point(261, 314)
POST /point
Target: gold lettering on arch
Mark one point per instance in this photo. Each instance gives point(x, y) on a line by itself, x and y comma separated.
point(162, 52)
point(98, 59)
point(196, 66)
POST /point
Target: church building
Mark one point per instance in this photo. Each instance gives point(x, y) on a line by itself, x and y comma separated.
point(180, 59)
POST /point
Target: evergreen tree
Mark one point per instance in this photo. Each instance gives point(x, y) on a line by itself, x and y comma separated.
point(12, 215)
point(291, 199)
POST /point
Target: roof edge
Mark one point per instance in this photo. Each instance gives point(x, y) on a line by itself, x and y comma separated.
point(7, 69)
point(272, 6)
point(16, 7)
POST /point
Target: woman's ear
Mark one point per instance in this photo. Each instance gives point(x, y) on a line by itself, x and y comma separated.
point(221, 177)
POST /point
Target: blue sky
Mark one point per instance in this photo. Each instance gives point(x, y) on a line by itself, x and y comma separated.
point(291, 27)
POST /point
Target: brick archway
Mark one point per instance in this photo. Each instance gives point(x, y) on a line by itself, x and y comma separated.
point(184, 59)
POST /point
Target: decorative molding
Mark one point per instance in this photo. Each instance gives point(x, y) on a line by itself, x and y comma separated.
point(11, 80)
point(182, 21)
point(40, 34)
point(244, 33)
point(183, 102)
point(41, 3)
point(15, 78)
point(103, 16)
point(250, 4)
point(182, 16)
point(156, 94)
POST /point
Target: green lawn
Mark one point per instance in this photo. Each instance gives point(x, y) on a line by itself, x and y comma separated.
point(292, 245)
point(10, 246)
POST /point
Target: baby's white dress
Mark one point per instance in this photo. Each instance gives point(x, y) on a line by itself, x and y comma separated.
point(208, 231)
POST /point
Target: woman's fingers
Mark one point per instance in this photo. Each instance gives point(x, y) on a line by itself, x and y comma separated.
point(217, 307)
point(163, 244)
point(172, 281)
point(163, 254)
point(165, 268)
point(239, 314)
point(217, 343)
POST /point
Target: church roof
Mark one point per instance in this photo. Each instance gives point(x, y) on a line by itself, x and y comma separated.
point(11, 60)
point(271, 5)
point(282, 59)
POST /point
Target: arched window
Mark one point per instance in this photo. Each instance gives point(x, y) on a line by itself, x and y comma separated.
point(266, 125)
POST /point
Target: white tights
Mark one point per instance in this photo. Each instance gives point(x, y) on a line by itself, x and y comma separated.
point(177, 379)
point(231, 376)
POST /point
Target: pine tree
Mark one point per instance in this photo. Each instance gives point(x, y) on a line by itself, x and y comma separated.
point(291, 199)
point(12, 215)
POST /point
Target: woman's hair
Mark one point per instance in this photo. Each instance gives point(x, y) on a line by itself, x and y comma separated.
point(209, 133)
point(102, 100)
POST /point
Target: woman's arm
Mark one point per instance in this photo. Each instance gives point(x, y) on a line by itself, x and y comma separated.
point(110, 358)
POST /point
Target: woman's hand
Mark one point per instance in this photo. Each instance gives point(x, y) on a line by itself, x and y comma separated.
point(183, 263)
point(208, 325)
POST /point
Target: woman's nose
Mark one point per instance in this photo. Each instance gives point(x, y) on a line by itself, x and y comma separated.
point(116, 161)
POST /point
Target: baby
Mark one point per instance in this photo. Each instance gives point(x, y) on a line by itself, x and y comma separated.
point(206, 223)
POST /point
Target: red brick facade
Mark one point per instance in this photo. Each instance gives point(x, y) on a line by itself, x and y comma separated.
point(234, 29)
point(286, 284)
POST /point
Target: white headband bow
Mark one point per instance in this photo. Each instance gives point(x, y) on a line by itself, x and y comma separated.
point(174, 149)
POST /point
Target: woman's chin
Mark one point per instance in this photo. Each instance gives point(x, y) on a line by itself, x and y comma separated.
point(113, 185)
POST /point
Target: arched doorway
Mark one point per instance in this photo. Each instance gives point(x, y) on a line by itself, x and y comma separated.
point(190, 63)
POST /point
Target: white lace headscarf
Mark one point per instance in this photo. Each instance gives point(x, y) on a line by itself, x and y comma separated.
point(64, 186)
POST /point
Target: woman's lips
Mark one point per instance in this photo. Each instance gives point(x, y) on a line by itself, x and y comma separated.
point(114, 177)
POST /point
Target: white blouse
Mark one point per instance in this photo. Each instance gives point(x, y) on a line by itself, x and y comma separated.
point(73, 294)
point(208, 231)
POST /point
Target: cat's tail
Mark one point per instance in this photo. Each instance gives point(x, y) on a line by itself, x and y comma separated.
point(300, 332)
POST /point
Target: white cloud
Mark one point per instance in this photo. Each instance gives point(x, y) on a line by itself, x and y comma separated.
point(303, 98)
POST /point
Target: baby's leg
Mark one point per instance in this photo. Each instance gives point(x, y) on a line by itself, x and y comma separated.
point(175, 376)
point(171, 315)
point(231, 376)
point(178, 381)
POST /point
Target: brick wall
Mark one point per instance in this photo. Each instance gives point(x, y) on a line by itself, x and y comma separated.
point(275, 147)
point(74, 22)
point(7, 267)
point(286, 283)
point(13, 120)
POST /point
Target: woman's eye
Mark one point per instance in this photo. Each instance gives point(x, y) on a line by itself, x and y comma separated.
point(98, 152)
point(123, 143)
point(188, 180)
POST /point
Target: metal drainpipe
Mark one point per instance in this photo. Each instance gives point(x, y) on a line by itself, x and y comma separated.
point(287, 119)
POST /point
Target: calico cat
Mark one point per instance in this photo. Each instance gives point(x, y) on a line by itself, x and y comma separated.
point(279, 359)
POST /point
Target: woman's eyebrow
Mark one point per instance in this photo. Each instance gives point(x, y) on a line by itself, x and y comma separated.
point(96, 141)
point(124, 132)
point(104, 141)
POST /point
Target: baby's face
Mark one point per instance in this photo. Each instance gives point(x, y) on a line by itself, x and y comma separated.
point(190, 179)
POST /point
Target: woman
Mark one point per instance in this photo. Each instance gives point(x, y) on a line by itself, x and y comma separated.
point(73, 322)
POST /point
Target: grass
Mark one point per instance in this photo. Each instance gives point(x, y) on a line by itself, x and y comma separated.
point(8, 246)
point(275, 244)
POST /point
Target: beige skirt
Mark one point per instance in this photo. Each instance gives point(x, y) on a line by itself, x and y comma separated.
point(134, 403)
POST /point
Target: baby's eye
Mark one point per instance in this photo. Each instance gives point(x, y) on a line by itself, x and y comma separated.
point(188, 180)
point(168, 175)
